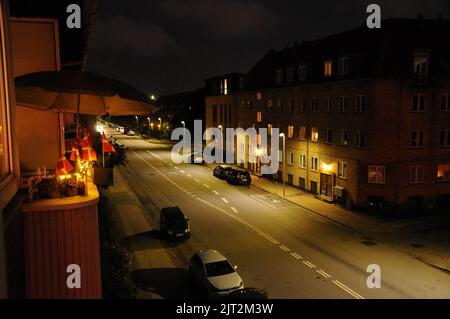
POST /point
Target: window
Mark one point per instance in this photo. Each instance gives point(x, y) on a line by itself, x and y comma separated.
point(314, 134)
point(360, 103)
point(416, 174)
point(291, 159)
point(290, 131)
point(327, 68)
point(303, 106)
point(302, 73)
point(279, 76)
point(360, 139)
point(376, 174)
point(343, 104)
point(418, 102)
point(224, 87)
point(443, 172)
point(258, 96)
point(290, 75)
point(302, 133)
point(445, 102)
point(291, 106)
point(328, 105)
point(314, 163)
point(344, 137)
point(328, 136)
point(444, 137)
point(315, 104)
point(279, 105)
point(302, 161)
point(417, 139)
point(342, 170)
point(269, 130)
point(421, 67)
point(269, 104)
point(343, 66)
point(258, 117)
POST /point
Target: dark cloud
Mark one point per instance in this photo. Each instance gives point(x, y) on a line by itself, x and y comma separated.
point(224, 19)
point(138, 38)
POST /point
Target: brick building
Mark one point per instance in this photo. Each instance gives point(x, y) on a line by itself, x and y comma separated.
point(366, 113)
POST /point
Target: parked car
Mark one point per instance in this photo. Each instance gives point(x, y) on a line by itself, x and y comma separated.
point(248, 293)
point(239, 177)
point(222, 171)
point(131, 133)
point(214, 273)
point(173, 223)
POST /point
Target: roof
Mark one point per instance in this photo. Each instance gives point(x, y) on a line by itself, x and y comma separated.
point(210, 256)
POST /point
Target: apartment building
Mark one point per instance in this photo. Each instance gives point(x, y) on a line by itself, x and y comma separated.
point(365, 113)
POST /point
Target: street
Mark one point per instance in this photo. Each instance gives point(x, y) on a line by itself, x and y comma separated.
point(278, 246)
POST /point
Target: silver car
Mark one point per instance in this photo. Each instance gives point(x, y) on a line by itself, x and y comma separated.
point(215, 273)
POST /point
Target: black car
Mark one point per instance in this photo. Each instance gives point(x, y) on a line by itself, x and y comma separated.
point(248, 293)
point(222, 171)
point(173, 223)
point(239, 177)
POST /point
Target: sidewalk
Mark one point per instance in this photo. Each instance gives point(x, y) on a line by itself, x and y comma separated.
point(153, 259)
point(426, 238)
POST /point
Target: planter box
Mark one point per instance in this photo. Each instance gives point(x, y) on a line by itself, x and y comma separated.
point(103, 176)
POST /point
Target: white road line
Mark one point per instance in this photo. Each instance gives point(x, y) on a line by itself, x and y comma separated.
point(189, 193)
point(193, 195)
point(215, 192)
point(296, 256)
point(206, 185)
point(310, 265)
point(197, 180)
point(157, 156)
point(176, 167)
point(188, 175)
point(225, 200)
point(348, 290)
point(181, 171)
point(285, 248)
point(234, 209)
point(323, 273)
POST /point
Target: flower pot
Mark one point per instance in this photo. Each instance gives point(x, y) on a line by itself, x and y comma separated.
point(103, 176)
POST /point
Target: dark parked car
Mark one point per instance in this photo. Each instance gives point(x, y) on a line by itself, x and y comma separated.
point(248, 293)
point(239, 177)
point(173, 223)
point(222, 171)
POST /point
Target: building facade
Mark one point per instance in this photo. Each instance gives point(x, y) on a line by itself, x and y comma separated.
point(365, 113)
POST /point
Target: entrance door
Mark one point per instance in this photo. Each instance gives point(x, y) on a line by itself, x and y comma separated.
point(326, 185)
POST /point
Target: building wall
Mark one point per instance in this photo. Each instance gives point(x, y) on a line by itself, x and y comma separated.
point(35, 47)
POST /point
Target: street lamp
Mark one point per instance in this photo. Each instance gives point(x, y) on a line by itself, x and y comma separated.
point(160, 122)
point(184, 124)
point(148, 119)
point(284, 163)
point(137, 121)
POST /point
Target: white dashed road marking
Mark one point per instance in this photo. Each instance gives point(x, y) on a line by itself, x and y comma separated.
point(234, 209)
point(215, 192)
point(225, 200)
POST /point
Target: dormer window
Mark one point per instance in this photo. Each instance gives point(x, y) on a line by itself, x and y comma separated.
point(279, 77)
point(421, 67)
point(343, 66)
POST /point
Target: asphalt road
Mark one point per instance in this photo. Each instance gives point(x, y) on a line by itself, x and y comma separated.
point(279, 247)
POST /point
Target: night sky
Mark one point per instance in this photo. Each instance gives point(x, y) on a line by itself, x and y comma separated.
point(170, 46)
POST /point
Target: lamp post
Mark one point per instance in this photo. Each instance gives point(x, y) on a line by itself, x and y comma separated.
point(148, 119)
point(284, 163)
point(159, 127)
point(137, 121)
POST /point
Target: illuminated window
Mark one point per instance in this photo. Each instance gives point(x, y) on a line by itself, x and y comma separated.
point(302, 73)
point(314, 134)
point(291, 159)
point(290, 131)
point(225, 87)
point(269, 129)
point(258, 117)
point(302, 161)
point(376, 174)
point(417, 139)
point(416, 174)
point(327, 68)
point(258, 96)
point(445, 102)
point(302, 133)
point(421, 67)
point(418, 102)
point(342, 170)
point(269, 104)
point(443, 172)
point(314, 163)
